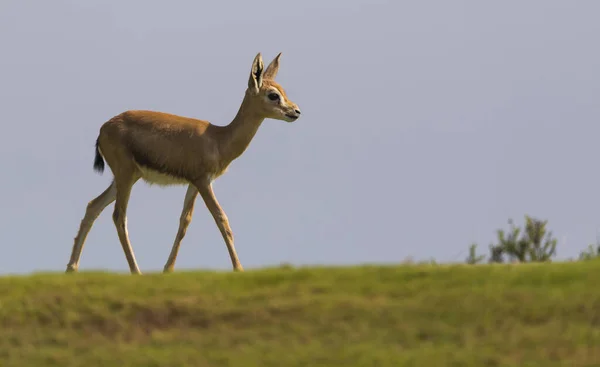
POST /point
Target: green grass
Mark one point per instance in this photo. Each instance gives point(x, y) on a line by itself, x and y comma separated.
point(411, 315)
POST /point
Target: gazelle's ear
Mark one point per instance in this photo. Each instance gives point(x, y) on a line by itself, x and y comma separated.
point(272, 69)
point(256, 74)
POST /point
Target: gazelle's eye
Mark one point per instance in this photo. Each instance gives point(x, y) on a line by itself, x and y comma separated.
point(273, 96)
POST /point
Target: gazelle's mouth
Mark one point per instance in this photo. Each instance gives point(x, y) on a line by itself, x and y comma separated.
point(292, 117)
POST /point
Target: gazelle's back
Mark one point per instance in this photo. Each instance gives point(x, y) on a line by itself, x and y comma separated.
point(160, 122)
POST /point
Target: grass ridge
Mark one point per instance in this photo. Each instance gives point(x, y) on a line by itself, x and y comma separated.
point(368, 315)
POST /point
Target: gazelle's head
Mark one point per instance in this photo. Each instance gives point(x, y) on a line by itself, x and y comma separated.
point(266, 95)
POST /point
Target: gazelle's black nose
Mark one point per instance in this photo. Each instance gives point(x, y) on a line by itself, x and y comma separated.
point(297, 111)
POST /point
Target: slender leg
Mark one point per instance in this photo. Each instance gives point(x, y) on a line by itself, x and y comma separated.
point(184, 222)
point(94, 208)
point(206, 191)
point(124, 184)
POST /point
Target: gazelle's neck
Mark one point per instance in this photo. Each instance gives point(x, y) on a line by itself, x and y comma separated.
point(241, 130)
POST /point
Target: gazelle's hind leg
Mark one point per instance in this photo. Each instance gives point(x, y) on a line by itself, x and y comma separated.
point(184, 222)
point(94, 208)
point(124, 181)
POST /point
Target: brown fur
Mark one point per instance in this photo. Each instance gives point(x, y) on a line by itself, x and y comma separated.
point(168, 149)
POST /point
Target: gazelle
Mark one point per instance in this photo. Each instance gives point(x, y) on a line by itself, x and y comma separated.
point(167, 149)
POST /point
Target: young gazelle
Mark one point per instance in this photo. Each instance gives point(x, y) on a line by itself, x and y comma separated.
point(167, 149)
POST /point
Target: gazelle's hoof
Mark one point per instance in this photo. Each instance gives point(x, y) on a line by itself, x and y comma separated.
point(71, 269)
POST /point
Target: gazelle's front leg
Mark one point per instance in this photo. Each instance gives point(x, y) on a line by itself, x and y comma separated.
point(184, 222)
point(206, 191)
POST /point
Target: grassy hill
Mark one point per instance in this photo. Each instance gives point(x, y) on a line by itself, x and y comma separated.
point(432, 315)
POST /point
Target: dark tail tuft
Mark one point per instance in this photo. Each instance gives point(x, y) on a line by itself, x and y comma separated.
point(98, 161)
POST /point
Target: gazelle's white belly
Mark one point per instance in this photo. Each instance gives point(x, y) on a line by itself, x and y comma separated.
point(158, 178)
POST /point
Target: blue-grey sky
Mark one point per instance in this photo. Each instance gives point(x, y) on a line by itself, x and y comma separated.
point(425, 126)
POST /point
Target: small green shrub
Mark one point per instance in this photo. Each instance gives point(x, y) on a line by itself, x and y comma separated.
point(534, 243)
point(590, 253)
point(473, 258)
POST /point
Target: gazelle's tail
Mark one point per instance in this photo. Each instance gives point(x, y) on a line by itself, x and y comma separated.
point(98, 160)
